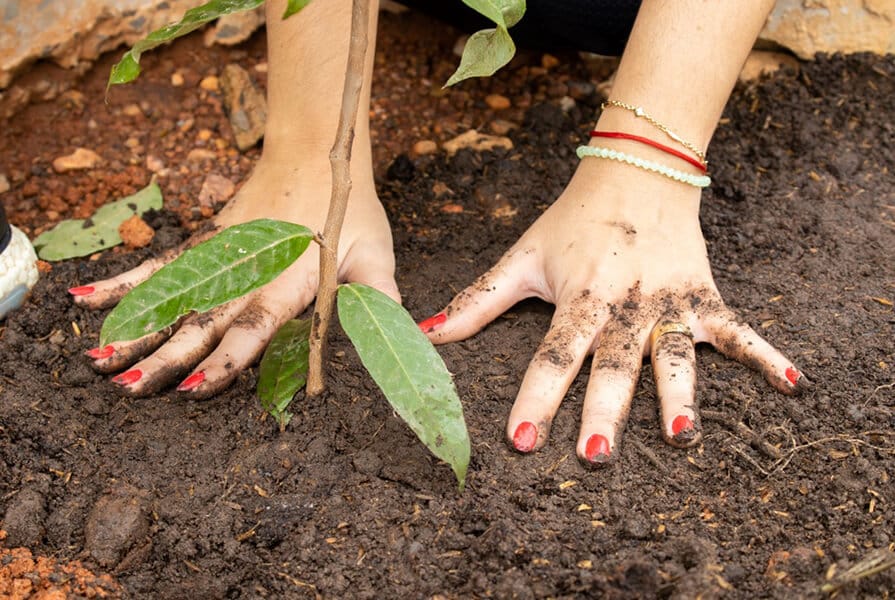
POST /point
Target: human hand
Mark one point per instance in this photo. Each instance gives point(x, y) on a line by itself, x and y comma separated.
point(217, 345)
point(621, 255)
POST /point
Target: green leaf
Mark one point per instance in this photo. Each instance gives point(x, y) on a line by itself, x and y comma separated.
point(128, 68)
point(294, 6)
point(284, 369)
point(486, 51)
point(408, 370)
point(81, 237)
point(238, 260)
point(489, 49)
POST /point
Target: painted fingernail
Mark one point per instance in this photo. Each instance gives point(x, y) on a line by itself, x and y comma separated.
point(191, 382)
point(100, 353)
point(433, 323)
point(526, 437)
point(793, 375)
point(128, 377)
point(597, 448)
point(681, 424)
point(84, 290)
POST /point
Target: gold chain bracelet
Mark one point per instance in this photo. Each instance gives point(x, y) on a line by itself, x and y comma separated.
point(642, 114)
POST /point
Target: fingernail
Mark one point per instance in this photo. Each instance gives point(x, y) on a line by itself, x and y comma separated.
point(793, 375)
point(433, 323)
point(597, 448)
point(191, 382)
point(98, 353)
point(526, 437)
point(681, 423)
point(128, 377)
point(84, 290)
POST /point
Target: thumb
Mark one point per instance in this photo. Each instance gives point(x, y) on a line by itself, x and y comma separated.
point(375, 268)
point(487, 298)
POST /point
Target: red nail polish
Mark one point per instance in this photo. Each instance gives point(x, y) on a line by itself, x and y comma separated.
point(128, 377)
point(793, 375)
point(99, 353)
point(597, 448)
point(681, 423)
point(526, 437)
point(84, 290)
point(191, 382)
point(433, 323)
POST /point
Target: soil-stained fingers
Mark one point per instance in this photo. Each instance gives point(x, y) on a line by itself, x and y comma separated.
point(674, 367)
point(739, 342)
point(557, 361)
point(610, 389)
point(489, 296)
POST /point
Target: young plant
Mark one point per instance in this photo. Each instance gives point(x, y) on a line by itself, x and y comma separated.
point(398, 356)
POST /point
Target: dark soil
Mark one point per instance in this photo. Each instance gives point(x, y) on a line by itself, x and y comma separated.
point(183, 499)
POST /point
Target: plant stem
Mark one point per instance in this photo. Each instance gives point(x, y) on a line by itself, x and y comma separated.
point(340, 159)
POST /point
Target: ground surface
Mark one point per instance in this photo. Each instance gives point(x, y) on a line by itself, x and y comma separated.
point(208, 500)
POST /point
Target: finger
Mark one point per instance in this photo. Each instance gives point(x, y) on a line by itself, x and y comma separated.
point(246, 338)
point(373, 265)
point(550, 373)
point(508, 282)
point(120, 355)
point(674, 368)
point(739, 342)
point(192, 342)
point(107, 293)
point(613, 378)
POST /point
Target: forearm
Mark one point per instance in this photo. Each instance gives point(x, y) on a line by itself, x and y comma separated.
point(681, 63)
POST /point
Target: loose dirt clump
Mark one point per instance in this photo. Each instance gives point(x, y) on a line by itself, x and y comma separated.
point(182, 498)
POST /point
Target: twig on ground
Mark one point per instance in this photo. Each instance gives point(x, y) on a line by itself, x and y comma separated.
point(744, 431)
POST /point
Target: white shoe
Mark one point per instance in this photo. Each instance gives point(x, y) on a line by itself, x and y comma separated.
point(18, 271)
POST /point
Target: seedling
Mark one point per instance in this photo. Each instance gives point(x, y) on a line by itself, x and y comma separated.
point(398, 356)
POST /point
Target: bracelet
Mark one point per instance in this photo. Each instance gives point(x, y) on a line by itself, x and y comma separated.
point(699, 181)
point(639, 112)
point(627, 136)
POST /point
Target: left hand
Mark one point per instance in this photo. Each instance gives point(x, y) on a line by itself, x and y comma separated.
point(621, 255)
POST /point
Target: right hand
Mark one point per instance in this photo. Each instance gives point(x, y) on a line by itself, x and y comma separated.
point(207, 351)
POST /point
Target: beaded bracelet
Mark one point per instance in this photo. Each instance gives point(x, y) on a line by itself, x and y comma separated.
point(643, 140)
point(699, 181)
point(639, 112)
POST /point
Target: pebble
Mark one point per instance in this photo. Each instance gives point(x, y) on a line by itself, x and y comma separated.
point(210, 83)
point(479, 142)
point(423, 147)
point(763, 62)
point(548, 61)
point(154, 164)
point(81, 158)
point(24, 518)
point(132, 110)
point(452, 209)
point(200, 155)
point(566, 103)
point(460, 45)
point(4, 183)
point(502, 126)
point(132, 142)
point(245, 105)
point(261, 67)
point(580, 90)
point(204, 135)
point(216, 188)
point(177, 79)
point(497, 102)
point(135, 232)
point(116, 524)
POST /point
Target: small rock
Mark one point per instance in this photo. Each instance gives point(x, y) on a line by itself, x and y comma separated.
point(548, 61)
point(154, 164)
point(82, 158)
point(460, 45)
point(439, 188)
point(424, 147)
point(131, 110)
point(4, 183)
point(135, 233)
point(581, 90)
point(566, 103)
point(261, 67)
point(245, 105)
point(200, 155)
point(215, 189)
point(24, 519)
point(497, 102)
point(117, 523)
point(177, 79)
point(204, 135)
point(479, 142)
point(210, 84)
point(452, 209)
point(234, 28)
point(502, 126)
point(131, 142)
point(762, 62)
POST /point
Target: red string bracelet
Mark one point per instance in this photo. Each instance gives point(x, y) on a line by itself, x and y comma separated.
point(636, 138)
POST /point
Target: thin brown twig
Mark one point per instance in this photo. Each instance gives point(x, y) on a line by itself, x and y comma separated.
point(340, 159)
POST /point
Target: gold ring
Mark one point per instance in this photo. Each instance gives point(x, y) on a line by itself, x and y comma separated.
point(668, 327)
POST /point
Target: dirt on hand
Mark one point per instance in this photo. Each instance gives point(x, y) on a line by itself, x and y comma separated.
point(179, 498)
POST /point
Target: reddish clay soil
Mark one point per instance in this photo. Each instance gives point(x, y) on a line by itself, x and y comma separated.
point(183, 499)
